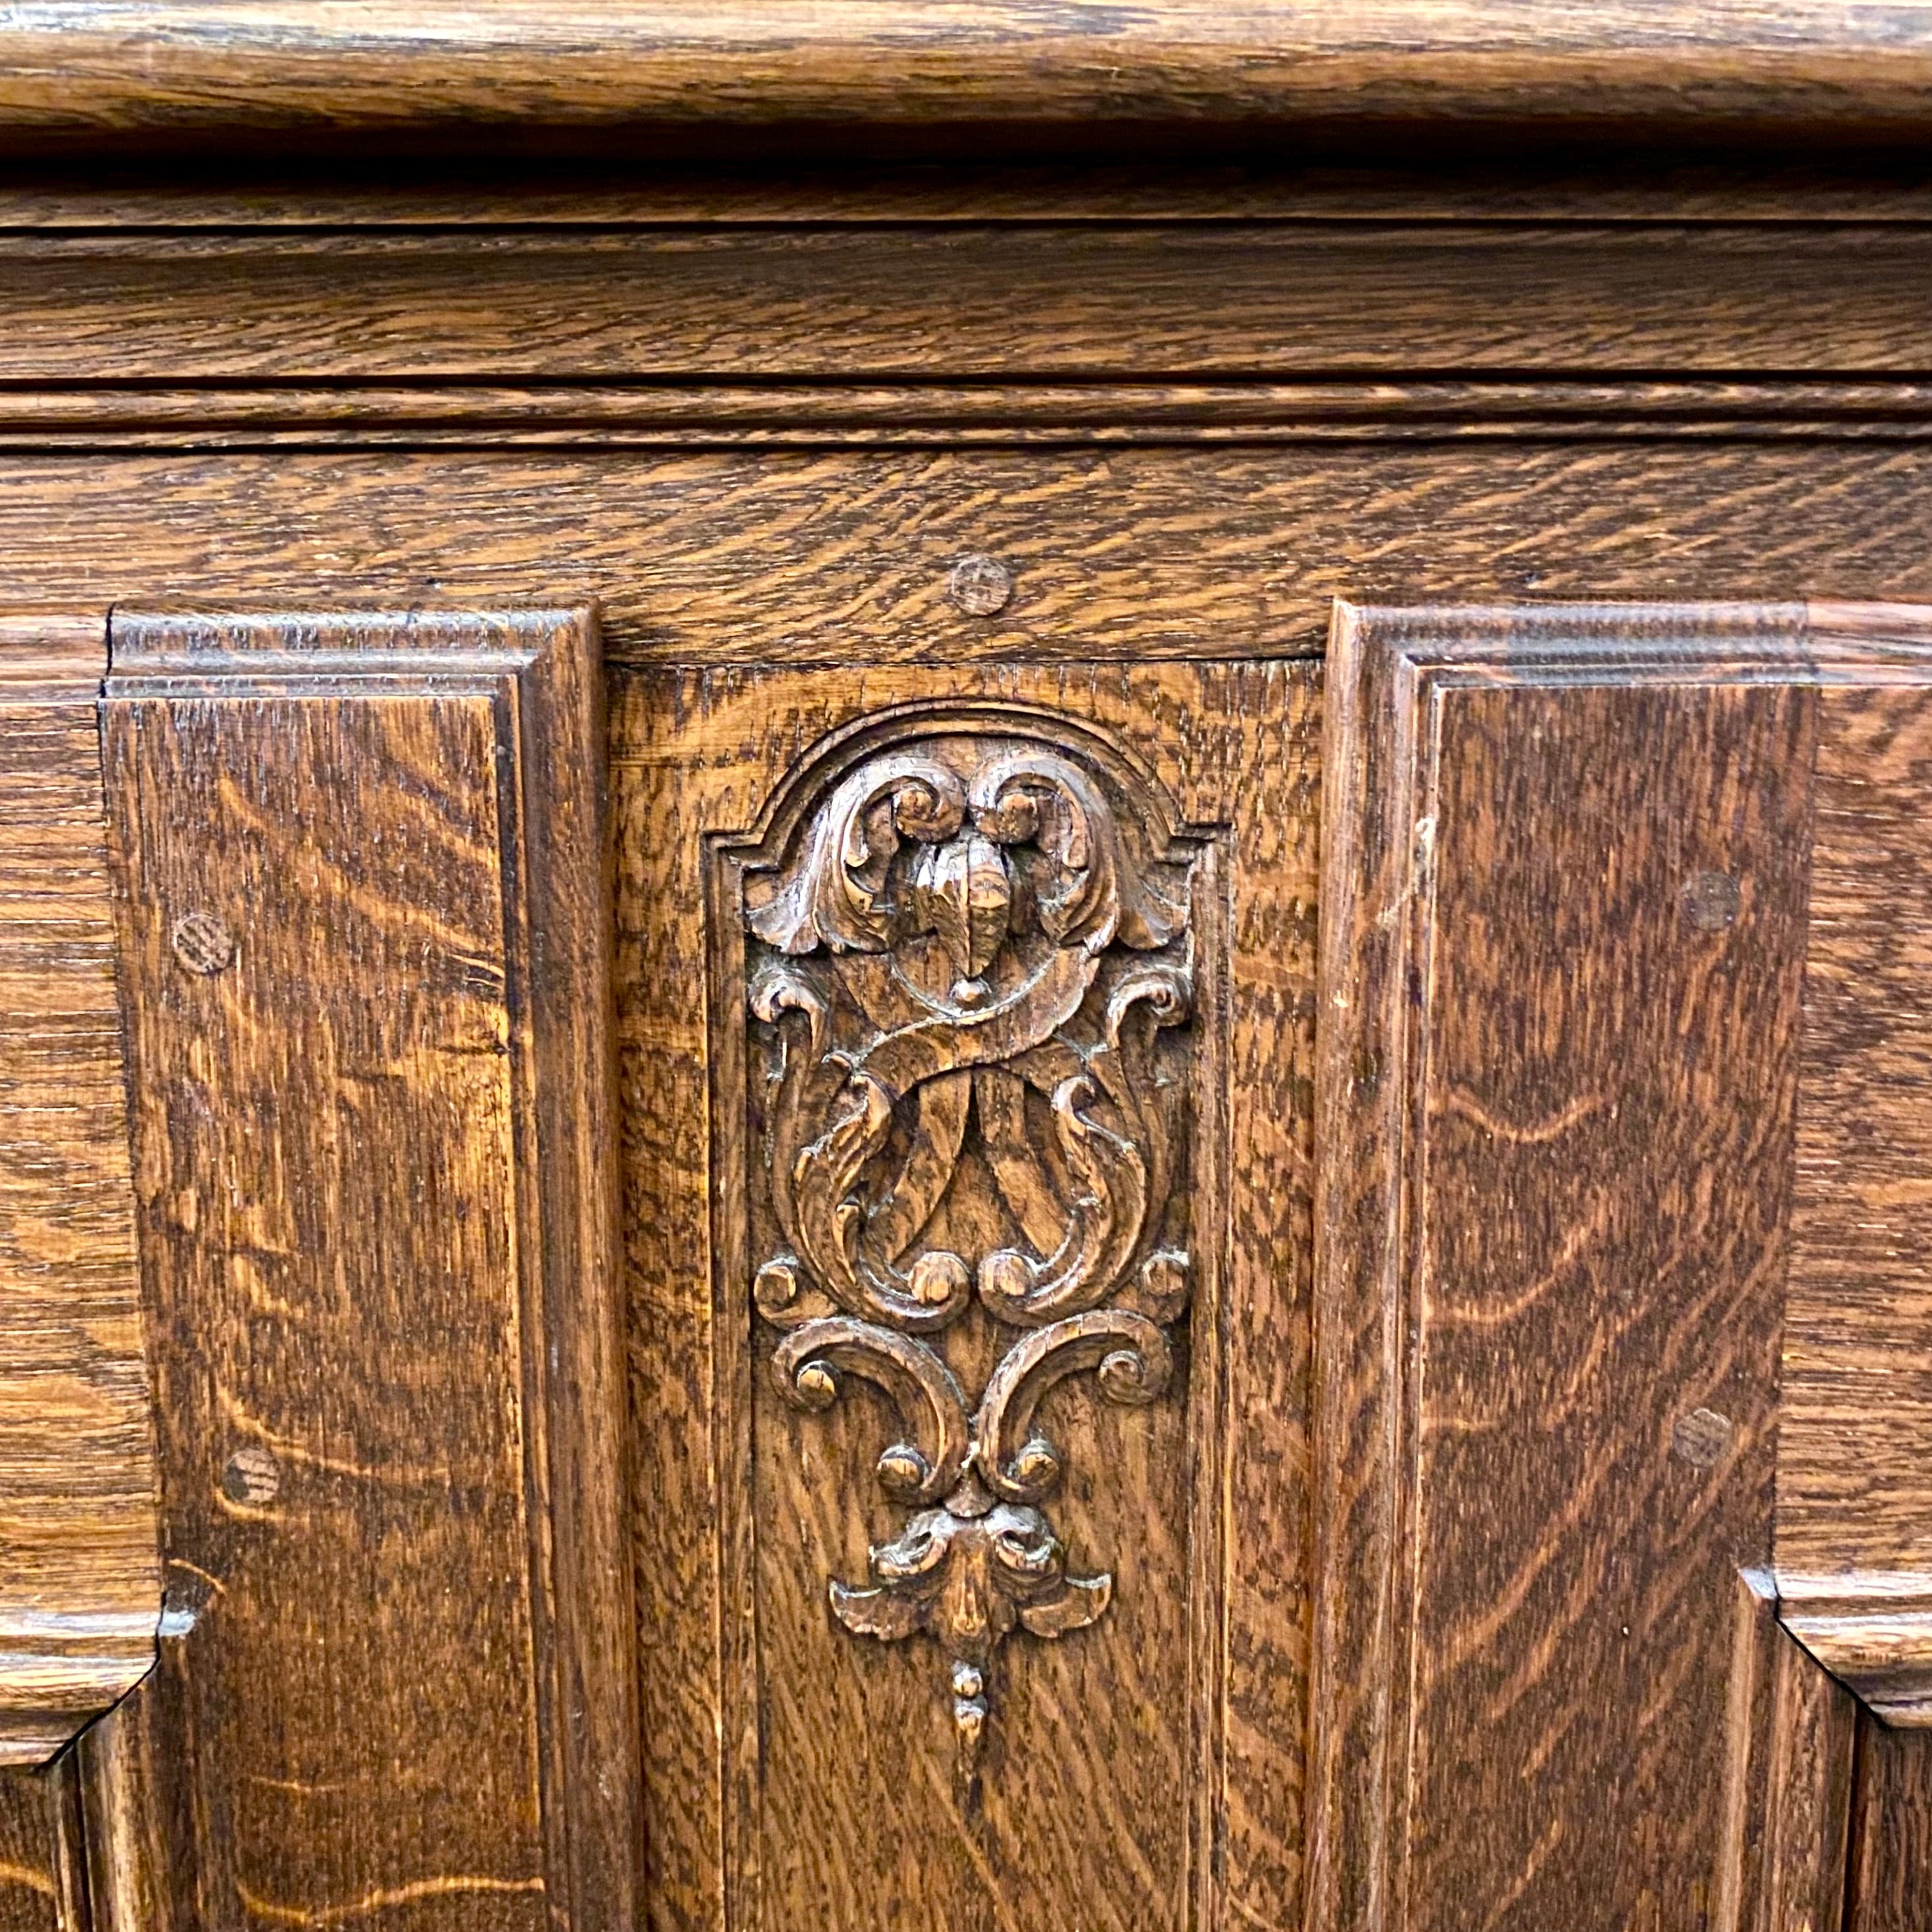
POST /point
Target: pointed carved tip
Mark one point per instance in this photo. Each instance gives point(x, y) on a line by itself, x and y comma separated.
point(1083, 1601)
point(884, 1614)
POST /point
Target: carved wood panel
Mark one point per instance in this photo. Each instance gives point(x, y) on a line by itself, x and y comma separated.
point(971, 1144)
point(967, 1235)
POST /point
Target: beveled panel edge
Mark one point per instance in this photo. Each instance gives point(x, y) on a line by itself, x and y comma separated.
point(1873, 1631)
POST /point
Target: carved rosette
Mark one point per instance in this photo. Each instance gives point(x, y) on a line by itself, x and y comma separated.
point(973, 943)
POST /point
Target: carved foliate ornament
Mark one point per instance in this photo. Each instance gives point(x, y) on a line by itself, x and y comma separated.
point(973, 943)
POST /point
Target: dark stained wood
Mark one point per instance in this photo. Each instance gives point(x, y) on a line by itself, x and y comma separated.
point(874, 303)
point(1792, 1734)
point(80, 1580)
point(363, 877)
point(802, 415)
point(1750, 66)
point(1119, 554)
point(1131, 1767)
point(762, 416)
point(1854, 1491)
point(43, 1878)
point(1563, 882)
point(139, 1798)
point(1891, 1888)
point(1658, 184)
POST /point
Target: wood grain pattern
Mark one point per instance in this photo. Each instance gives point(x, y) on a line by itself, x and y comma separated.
point(79, 1562)
point(1854, 1496)
point(42, 1874)
point(1890, 1879)
point(146, 66)
point(1116, 554)
point(803, 415)
point(1554, 1111)
point(1791, 1736)
point(1103, 1804)
point(874, 303)
point(364, 882)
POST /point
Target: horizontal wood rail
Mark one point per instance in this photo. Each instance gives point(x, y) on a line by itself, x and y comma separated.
point(1748, 66)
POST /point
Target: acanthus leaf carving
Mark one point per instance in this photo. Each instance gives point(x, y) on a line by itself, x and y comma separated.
point(966, 947)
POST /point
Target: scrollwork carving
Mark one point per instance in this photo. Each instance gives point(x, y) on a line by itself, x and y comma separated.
point(976, 943)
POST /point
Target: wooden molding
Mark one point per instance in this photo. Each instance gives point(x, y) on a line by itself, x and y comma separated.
point(132, 68)
point(80, 1583)
point(1873, 1631)
point(1316, 321)
point(1155, 184)
point(988, 415)
point(1115, 1758)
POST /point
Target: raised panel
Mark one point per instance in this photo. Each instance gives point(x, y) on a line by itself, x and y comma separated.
point(1564, 930)
point(965, 1018)
point(365, 958)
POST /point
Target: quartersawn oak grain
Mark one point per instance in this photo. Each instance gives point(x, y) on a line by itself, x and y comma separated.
point(1891, 1877)
point(363, 902)
point(80, 1580)
point(790, 558)
point(1357, 312)
point(1144, 1767)
point(1554, 1120)
point(1855, 1495)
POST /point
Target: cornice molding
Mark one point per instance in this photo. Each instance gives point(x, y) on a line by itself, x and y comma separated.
point(104, 72)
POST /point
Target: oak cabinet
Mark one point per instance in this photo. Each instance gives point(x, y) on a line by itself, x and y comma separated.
point(1011, 1021)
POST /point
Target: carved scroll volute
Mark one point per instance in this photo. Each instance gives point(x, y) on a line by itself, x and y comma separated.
point(971, 940)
